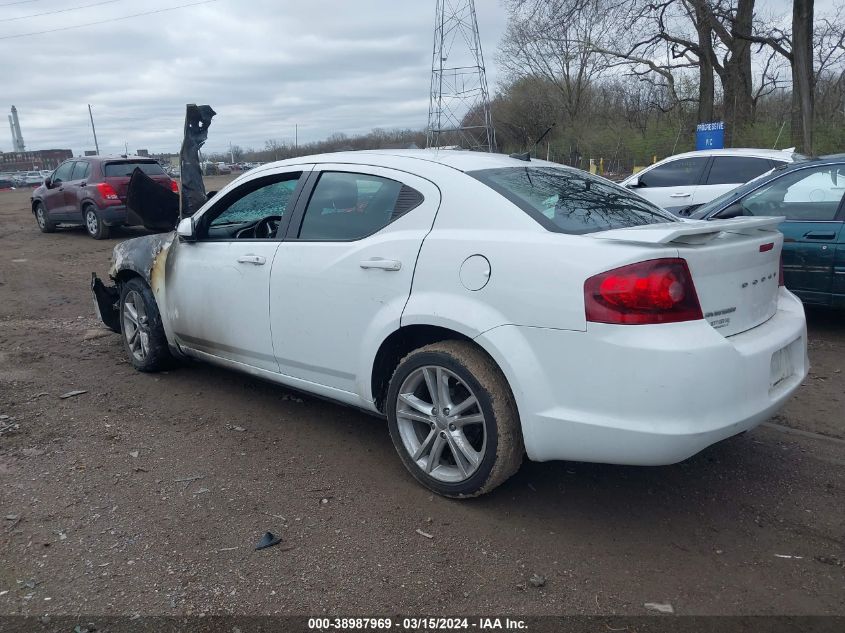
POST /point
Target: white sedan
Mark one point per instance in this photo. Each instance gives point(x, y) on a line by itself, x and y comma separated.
point(684, 182)
point(488, 307)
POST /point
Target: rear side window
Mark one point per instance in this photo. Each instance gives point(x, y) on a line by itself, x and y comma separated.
point(571, 201)
point(735, 170)
point(80, 170)
point(125, 168)
point(346, 206)
point(683, 172)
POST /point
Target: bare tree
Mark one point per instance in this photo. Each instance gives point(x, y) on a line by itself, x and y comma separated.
point(550, 39)
point(275, 146)
point(796, 46)
point(802, 73)
point(829, 63)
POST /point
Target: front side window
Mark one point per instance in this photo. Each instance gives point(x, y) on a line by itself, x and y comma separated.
point(63, 173)
point(253, 210)
point(346, 206)
point(804, 195)
point(571, 201)
point(684, 172)
point(735, 170)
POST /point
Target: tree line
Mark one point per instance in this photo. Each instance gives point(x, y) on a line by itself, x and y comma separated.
point(621, 79)
point(627, 81)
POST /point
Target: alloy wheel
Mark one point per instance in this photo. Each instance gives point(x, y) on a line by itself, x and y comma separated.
point(135, 325)
point(39, 216)
point(91, 222)
point(441, 424)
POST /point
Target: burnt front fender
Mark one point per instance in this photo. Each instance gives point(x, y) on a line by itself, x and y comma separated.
point(142, 255)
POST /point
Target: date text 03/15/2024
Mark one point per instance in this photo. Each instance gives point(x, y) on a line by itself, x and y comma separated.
point(416, 624)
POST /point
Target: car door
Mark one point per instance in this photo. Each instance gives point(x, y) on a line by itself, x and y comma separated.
point(726, 173)
point(72, 190)
point(342, 277)
point(672, 185)
point(218, 285)
point(811, 200)
point(837, 289)
point(54, 197)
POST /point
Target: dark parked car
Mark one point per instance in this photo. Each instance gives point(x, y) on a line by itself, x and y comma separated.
point(809, 194)
point(92, 191)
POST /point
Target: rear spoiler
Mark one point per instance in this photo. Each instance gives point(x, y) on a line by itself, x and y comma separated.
point(690, 231)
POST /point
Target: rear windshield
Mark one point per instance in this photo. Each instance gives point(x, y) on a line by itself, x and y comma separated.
point(125, 168)
point(571, 201)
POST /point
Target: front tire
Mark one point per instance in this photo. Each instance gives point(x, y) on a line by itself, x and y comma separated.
point(94, 224)
point(43, 221)
point(141, 329)
point(453, 419)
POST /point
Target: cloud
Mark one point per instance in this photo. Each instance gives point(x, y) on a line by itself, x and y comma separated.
point(265, 66)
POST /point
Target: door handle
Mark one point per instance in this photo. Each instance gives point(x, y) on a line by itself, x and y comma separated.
point(382, 264)
point(680, 195)
point(257, 260)
point(820, 235)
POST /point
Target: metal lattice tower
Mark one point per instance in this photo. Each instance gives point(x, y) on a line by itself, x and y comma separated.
point(459, 109)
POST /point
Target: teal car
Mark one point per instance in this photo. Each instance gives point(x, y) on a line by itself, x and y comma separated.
point(809, 194)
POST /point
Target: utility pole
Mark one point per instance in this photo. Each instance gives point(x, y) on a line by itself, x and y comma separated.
point(90, 114)
point(459, 105)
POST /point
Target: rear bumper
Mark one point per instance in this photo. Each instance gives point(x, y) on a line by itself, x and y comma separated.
point(647, 395)
point(116, 215)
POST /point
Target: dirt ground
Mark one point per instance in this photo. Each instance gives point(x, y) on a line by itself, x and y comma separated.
point(147, 493)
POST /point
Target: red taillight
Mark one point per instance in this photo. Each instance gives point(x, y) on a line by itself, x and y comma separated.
point(654, 291)
point(107, 191)
point(174, 186)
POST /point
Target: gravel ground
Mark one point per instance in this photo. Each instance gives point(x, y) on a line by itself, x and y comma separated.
point(147, 493)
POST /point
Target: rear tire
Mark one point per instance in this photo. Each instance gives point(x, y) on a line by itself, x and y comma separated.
point(464, 440)
point(43, 221)
point(141, 329)
point(94, 224)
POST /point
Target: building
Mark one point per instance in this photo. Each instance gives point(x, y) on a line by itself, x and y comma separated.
point(26, 161)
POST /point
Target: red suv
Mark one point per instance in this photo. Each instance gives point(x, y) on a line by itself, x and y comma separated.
point(92, 191)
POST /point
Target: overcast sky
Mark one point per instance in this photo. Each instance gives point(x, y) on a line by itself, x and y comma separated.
point(263, 65)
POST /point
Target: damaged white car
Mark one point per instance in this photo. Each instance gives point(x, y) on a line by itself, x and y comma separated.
point(487, 306)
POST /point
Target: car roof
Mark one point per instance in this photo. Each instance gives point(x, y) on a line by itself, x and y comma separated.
point(777, 154)
point(99, 158)
point(409, 158)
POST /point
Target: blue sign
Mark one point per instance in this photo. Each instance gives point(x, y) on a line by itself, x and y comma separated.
point(710, 135)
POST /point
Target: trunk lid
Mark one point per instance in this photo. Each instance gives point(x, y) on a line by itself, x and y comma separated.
point(734, 265)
